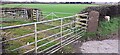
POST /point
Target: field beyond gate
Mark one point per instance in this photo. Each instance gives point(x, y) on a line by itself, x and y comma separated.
point(40, 37)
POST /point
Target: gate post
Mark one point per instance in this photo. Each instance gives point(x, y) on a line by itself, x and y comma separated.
point(93, 21)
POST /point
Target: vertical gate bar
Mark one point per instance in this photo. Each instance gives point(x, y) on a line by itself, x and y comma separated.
point(52, 17)
point(35, 37)
point(1, 43)
point(1, 33)
point(61, 30)
point(26, 14)
point(75, 19)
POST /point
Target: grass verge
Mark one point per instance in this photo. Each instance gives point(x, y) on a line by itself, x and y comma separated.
point(105, 28)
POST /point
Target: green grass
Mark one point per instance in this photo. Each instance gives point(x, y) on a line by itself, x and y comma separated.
point(105, 28)
point(65, 8)
point(11, 19)
point(46, 9)
point(68, 49)
point(109, 27)
point(13, 23)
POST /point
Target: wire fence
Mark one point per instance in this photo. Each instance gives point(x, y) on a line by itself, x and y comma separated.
point(40, 37)
point(53, 15)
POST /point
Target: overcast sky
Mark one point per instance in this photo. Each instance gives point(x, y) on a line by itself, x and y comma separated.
point(67, 0)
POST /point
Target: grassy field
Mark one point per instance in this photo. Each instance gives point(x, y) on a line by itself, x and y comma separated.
point(64, 9)
point(47, 8)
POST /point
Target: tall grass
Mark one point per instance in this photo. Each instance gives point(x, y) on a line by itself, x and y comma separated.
point(105, 28)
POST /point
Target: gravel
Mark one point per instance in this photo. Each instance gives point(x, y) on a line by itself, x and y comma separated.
point(105, 46)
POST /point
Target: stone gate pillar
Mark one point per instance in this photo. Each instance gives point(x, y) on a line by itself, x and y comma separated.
point(93, 21)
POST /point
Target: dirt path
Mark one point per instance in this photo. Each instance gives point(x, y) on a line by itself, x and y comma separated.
point(104, 46)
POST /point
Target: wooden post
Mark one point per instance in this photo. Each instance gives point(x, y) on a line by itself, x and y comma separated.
point(93, 21)
point(26, 13)
point(37, 18)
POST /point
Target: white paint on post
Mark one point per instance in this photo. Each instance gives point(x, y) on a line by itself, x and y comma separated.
point(37, 18)
point(26, 14)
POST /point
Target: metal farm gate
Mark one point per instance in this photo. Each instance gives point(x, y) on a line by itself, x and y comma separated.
point(20, 14)
point(37, 37)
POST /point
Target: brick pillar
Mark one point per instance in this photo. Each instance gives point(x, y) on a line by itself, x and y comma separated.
point(93, 21)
